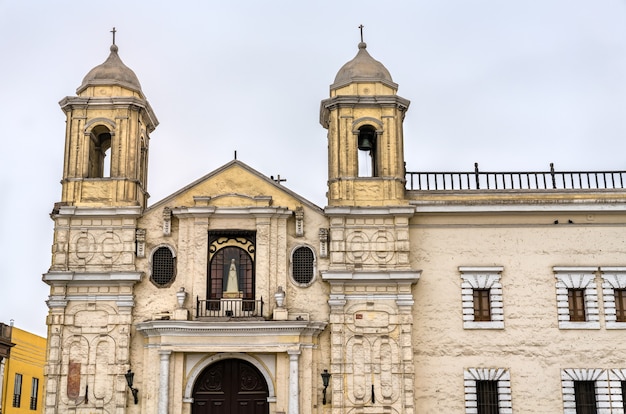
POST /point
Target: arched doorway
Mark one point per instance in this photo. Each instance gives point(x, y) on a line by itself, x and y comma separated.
point(230, 386)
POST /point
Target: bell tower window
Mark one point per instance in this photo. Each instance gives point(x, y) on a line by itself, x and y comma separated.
point(99, 151)
point(367, 157)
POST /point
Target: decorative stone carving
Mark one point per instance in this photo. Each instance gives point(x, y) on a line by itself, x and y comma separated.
point(167, 221)
point(140, 242)
point(323, 233)
point(299, 221)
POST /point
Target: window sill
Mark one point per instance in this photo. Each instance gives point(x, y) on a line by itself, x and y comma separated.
point(579, 325)
point(483, 325)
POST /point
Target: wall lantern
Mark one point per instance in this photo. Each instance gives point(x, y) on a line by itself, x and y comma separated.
point(325, 380)
point(130, 375)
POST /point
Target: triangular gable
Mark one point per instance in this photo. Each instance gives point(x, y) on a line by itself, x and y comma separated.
point(235, 184)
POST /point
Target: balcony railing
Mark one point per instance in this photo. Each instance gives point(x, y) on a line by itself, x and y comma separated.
point(528, 180)
point(229, 308)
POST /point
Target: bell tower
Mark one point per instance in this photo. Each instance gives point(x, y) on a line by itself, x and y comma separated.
point(369, 271)
point(364, 117)
point(106, 139)
point(93, 271)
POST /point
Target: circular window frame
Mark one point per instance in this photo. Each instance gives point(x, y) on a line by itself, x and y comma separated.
point(151, 266)
point(314, 270)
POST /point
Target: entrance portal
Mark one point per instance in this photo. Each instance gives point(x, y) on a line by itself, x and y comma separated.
point(230, 386)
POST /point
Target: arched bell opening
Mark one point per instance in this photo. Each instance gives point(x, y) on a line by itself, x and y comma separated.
point(99, 163)
point(367, 151)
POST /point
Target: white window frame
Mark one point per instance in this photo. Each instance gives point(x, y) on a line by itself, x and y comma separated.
point(501, 375)
point(485, 277)
point(612, 278)
point(598, 376)
point(577, 278)
point(616, 376)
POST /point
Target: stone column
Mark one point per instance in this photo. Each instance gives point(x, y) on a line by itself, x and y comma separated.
point(164, 382)
point(294, 373)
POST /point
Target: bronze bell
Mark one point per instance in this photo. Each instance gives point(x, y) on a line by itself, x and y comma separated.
point(365, 143)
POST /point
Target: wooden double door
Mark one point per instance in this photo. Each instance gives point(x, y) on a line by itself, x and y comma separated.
point(230, 386)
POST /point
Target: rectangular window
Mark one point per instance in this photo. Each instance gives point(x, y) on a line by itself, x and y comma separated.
point(487, 397)
point(34, 393)
point(585, 396)
point(576, 300)
point(620, 305)
point(482, 309)
point(17, 390)
point(624, 395)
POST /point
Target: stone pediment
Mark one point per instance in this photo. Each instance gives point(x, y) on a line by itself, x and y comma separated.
point(252, 189)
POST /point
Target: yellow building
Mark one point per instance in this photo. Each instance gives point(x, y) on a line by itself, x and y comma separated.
point(409, 292)
point(22, 383)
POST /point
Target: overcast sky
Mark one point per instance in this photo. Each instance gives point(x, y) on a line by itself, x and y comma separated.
point(512, 85)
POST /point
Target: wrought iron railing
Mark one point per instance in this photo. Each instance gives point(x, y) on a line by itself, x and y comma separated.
point(525, 180)
point(228, 308)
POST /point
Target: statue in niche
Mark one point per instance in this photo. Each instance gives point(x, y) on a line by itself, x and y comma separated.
point(232, 285)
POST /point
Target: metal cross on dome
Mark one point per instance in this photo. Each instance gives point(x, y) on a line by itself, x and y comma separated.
point(114, 31)
point(361, 28)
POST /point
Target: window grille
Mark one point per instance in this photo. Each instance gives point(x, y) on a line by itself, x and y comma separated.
point(163, 267)
point(487, 397)
point(34, 393)
point(585, 396)
point(17, 390)
point(302, 265)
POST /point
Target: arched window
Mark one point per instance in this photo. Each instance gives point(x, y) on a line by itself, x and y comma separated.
point(366, 142)
point(99, 148)
point(163, 267)
point(231, 252)
point(221, 266)
point(303, 265)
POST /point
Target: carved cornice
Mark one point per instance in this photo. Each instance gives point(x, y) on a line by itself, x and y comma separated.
point(86, 278)
point(397, 211)
point(131, 212)
point(267, 334)
point(206, 211)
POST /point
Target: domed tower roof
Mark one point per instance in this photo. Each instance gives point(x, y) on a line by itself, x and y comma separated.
point(112, 72)
point(362, 68)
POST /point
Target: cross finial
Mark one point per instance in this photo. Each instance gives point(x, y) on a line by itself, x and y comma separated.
point(361, 28)
point(113, 31)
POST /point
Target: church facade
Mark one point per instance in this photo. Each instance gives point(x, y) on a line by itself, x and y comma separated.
point(407, 293)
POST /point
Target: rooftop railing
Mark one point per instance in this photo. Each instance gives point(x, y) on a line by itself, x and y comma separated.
point(522, 180)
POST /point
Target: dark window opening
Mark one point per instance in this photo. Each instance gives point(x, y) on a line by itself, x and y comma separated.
point(623, 384)
point(163, 267)
point(482, 309)
point(585, 396)
point(302, 265)
point(487, 397)
point(99, 151)
point(366, 142)
point(576, 300)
